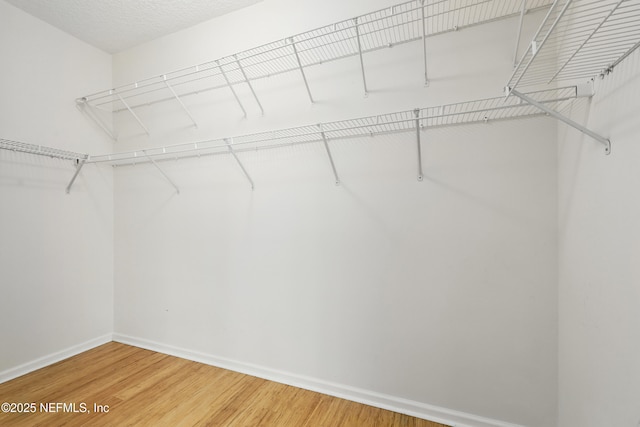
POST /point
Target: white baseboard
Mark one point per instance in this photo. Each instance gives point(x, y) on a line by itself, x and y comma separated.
point(405, 406)
point(52, 358)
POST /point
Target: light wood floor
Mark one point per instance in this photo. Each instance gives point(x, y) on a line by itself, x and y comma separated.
point(142, 387)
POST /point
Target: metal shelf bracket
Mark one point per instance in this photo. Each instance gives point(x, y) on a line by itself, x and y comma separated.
point(89, 110)
point(235, 156)
point(326, 147)
point(364, 79)
point(135, 116)
point(233, 91)
point(161, 171)
point(562, 118)
point(79, 165)
point(246, 79)
point(424, 42)
point(184, 107)
point(416, 112)
point(304, 77)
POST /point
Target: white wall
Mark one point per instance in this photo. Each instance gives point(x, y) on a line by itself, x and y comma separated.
point(442, 292)
point(56, 250)
point(599, 295)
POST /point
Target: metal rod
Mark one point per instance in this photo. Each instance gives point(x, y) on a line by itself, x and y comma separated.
point(522, 12)
point(133, 113)
point(417, 114)
point(562, 118)
point(244, 171)
point(424, 44)
point(364, 79)
point(326, 147)
point(246, 79)
point(233, 91)
point(184, 107)
point(161, 171)
point(75, 175)
point(87, 109)
point(304, 77)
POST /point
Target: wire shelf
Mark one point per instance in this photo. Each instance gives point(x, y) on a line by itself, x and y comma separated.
point(477, 111)
point(381, 29)
point(579, 39)
point(40, 150)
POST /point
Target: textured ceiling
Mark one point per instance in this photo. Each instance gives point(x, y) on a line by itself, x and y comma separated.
point(116, 25)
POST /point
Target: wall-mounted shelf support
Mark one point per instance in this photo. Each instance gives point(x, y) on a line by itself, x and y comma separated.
point(235, 156)
point(233, 91)
point(523, 11)
point(416, 112)
point(135, 116)
point(89, 111)
point(304, 77)
point(79, 165)
point(562, 118)
point(424, 42)
point(184, 107)
point(161, 171)
point(326, 147)
point(248, 82)
point(364, 79)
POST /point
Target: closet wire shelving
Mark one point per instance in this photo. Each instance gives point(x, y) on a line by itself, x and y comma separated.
point(574, 40)
point(417, 121)
point(402, 23)
point(41, 150)
point(578, 39)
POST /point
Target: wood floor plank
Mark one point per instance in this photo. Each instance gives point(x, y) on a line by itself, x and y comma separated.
point(53, 378)
point(145, 388)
